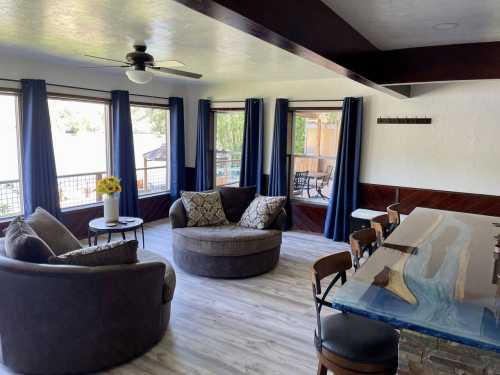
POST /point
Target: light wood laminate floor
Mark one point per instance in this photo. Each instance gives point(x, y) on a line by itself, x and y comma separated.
point(260, 325)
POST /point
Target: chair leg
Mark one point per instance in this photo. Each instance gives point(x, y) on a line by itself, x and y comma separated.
point(321, 369)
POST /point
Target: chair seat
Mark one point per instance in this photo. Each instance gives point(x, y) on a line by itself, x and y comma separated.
point(359, 339)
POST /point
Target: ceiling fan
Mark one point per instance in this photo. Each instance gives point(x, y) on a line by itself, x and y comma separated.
point(141, 65)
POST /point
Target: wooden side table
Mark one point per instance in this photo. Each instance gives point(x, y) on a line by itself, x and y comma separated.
point(125, 224)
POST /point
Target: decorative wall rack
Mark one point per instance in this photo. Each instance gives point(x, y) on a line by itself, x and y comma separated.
point(404, 120)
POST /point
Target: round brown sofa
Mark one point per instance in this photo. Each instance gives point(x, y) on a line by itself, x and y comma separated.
point(72, 319)
point(226, 251)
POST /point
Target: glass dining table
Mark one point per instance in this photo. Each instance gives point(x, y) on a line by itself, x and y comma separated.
point(436, 278)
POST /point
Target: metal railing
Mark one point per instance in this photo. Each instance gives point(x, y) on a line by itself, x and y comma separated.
point(227, 172)
point(79, 189)
point(10, 198)
point(152, 180)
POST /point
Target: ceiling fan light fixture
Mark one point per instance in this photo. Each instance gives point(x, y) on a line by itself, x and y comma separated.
point(139, 76)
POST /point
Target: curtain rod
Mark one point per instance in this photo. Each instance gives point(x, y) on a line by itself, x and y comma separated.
point(85, 88)
point(315, 100)
point(227, 101)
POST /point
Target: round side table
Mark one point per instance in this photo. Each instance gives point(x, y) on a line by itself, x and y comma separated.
point(125, 224)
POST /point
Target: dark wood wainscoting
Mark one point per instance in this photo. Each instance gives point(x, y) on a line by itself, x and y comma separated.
point(152, 208)
point(307, 217)
point(378, 197)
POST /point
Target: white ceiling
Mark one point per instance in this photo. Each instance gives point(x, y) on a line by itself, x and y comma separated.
point(395, 24)
point(66, 30)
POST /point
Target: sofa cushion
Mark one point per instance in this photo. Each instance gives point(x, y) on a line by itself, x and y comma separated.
point(203, 208)
point(22, 243)
point(261, 213)
point(235, 201)
point(53, 232)
point(226, 240)
point(113, 253)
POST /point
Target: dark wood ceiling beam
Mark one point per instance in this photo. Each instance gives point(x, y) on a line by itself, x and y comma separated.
point(309, 29)
point(430, 64)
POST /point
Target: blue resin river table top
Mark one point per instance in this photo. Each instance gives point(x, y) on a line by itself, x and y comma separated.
point(437, 274)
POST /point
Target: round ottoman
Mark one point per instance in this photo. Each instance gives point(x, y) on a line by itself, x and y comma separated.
point(226, 251)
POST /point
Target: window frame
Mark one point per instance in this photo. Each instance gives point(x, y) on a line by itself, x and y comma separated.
point(17, 98)
point(167, 141)
point(213, 142)
point(291, 155)
point(107, 136)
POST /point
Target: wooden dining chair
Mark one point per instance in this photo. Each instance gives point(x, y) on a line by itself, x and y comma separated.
point(361, 241)
point(382, 227)
point(348, 344)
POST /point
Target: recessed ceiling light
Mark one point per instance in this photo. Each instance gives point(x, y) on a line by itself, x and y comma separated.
point(445, 26)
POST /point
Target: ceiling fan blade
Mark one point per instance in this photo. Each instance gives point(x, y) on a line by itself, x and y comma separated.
point(104, 66)
point(176, 72)
point(105, 58)
point(169, 64)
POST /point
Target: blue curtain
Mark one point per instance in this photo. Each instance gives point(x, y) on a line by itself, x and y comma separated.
point(177, 153)
point(252, 154)
point(39, 167)
point(345, 192)
point(123, 153)
point(278, 182)
point(204, 159)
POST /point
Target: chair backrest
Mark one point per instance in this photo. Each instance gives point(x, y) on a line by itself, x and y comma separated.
point(300, 180)
point(329, 265)
point(361, 239)
point(381, 225)
point(394, 214)
point(328, 171)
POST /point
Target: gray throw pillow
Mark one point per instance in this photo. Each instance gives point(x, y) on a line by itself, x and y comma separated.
point(261, 213)
point(203, 208)
point(235, 200)
point(53, 232)
point(22, 243)
point(113, 253)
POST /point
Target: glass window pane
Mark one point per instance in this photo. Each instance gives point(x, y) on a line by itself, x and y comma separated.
point(79, 137)
point(315, 140)
point(10, 188)
point(330, 126)
point(229, 142)
point(150, 127)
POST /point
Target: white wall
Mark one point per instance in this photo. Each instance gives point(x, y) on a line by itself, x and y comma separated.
point(459, 151)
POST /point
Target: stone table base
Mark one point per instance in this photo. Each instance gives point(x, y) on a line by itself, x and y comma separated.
point(421, 354)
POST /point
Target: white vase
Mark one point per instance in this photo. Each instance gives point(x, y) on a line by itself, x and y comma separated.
point(111, 208)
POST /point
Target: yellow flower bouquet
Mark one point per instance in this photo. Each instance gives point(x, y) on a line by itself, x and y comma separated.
point(108, 185)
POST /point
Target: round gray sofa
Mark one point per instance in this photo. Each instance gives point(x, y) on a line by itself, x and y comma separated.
point(71, 319)
point(225, 251)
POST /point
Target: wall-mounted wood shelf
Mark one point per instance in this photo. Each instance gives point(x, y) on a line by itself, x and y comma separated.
point(404, 120)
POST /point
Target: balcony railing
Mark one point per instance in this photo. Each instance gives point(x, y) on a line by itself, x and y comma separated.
point(227, 172)
point(10, 198)
point(152, 180)
point(79, 189)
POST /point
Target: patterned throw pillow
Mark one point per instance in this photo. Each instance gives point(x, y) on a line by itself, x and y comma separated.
point(113, 253)
point(262, 212)
point(203, 209)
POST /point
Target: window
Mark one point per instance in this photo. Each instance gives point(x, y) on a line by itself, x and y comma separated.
point(150, 127)
point(228, 146)
point(315, 136)
point(80, 138)
point(10, 187)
